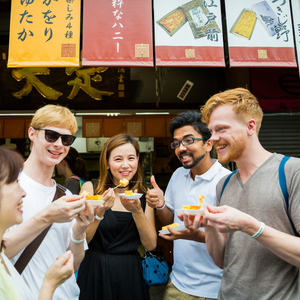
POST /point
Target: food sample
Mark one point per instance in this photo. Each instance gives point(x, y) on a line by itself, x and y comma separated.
point(201, 199)
point(171, 225)
point(190, 207)
point(123, 182)
point(95, 197)
point(128, 193)
point(245, 24)
point(172, 21)
point(84, 193)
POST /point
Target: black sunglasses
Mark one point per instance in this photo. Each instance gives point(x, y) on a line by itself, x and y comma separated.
point(52, 136)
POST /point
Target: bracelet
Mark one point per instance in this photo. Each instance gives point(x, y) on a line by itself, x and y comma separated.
point(160, 208)
point(260, 230)
point(76, 241)
point(99, 218)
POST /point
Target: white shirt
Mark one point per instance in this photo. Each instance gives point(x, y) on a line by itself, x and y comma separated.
point(193, 271)
point(54, 244)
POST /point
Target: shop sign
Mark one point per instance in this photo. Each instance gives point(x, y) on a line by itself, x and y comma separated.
point(296, 20)
point(78, 88)
point(188, 33)
point(277, 89)
point(44, 33)
point(260, 33)
point(117, 33)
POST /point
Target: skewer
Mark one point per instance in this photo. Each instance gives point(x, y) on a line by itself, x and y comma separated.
point(122, 181)
point(161, 198)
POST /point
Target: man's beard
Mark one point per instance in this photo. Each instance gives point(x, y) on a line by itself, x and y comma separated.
point(234, 151)
point(194, 163)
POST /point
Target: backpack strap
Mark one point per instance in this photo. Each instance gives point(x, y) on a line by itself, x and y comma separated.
point(283, 186)
point(282, 183)
point(226, 182)
point(81, 182)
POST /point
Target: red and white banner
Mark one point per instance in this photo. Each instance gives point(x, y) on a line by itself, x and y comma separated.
point(296, 19)
point(188, 33)
point(117, 33)
point(260, 33)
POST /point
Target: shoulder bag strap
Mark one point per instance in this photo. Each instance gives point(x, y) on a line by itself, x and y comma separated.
point(282, 182)
point(226, 182)
point(29, 251)
point(74, 177)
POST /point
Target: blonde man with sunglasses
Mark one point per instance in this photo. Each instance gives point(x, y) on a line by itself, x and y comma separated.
point(51, 133)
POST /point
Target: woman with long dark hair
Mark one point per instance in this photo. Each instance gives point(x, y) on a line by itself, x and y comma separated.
point(112, 269)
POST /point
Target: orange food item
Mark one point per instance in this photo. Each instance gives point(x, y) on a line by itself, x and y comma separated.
point(201, 199)
point(190, 207)
point(95, 197)
point(129, 193)
point(123, 182)
point(171, 225)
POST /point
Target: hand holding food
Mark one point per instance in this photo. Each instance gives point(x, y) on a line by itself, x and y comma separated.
point(170, 225)
point(65, 209)
point(109, 197)
point(131, 202)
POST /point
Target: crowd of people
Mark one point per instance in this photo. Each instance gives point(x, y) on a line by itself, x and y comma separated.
point(245, 244)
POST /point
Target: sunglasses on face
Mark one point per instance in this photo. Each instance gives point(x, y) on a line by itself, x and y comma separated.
point(52, 136)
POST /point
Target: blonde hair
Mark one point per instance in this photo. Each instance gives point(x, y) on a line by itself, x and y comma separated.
point(245, 105)
point(56, 116)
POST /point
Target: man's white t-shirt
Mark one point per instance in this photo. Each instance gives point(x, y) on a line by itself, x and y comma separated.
point(54, 244)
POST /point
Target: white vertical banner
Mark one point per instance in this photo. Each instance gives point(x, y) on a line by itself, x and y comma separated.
point(296, 20)
point(188, 33)
point(260, 33)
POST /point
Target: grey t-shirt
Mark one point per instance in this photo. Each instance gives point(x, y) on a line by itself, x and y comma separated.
point(250, 270)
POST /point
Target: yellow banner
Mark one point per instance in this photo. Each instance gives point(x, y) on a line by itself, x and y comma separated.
point(44, 33)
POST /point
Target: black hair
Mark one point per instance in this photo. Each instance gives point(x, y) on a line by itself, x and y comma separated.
point(193, 119)
point(76, 164)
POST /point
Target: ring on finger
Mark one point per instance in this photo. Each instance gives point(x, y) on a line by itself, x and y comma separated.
point(78, 214)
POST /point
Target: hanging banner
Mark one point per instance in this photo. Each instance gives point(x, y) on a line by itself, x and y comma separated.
point(117, 33)
point(188, 33)
point(260, 33)
point(296, 20)
point(44, 33)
